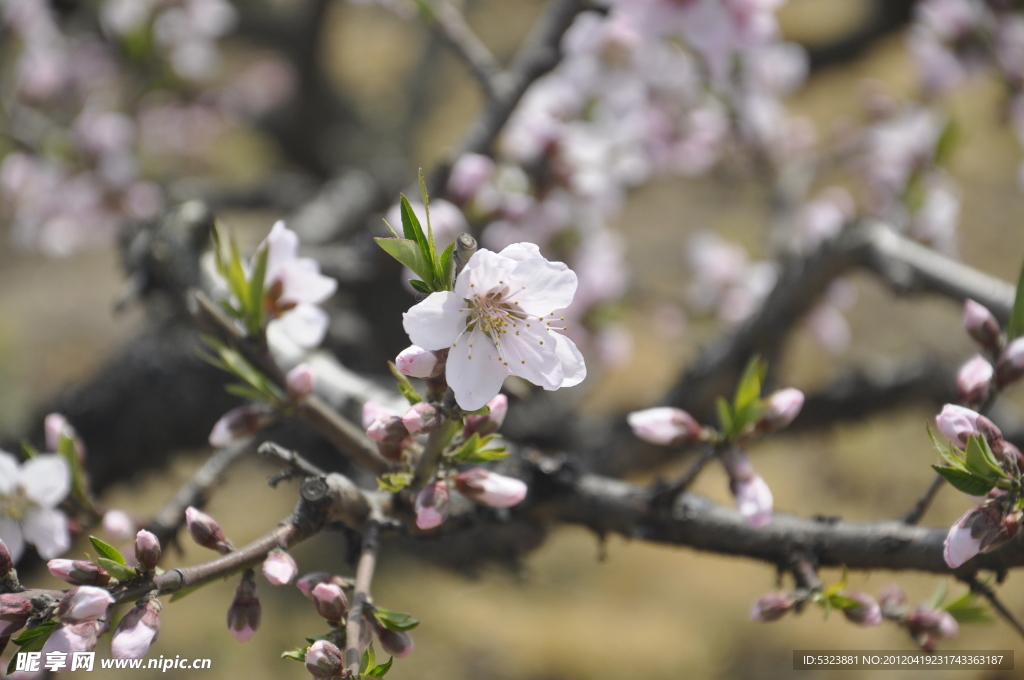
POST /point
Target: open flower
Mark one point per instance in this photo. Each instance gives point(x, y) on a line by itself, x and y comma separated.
point(498, 322)
point(29, 495)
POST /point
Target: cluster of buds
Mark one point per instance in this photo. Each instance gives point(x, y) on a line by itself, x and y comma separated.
point(859, 608)
point(978, 376)
point(926, 624)
point(481, 486)
point(999, 517)
point(83, 620)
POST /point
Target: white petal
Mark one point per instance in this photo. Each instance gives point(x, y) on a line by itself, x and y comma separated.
point(531, 353)
point(46, 479)
point(574, 369)
point(484, 271)
point(521, 251)
point(10, 473)
point(305, 324)
point(541, 287)
point(436, 322)
point(47, 530)
point(303, 282)
point(474, 371)
point(283, 244)
point(10, 534)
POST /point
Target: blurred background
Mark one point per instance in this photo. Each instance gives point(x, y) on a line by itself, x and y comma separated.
point(579, 606)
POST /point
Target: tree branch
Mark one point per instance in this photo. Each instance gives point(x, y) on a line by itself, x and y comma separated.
point(361, 595)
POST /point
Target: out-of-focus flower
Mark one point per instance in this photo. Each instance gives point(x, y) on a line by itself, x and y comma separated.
point(119, 525)
point(489, 488)
point(753, 497)
point(973, 380)
point(665, 426)
point(245, 611)
point(84, 603)
point(866, 613)
point(490, 423)
point(206, 531)
point(498, 322)
point(771, 607)
point(300, 381)
point(136, 632)
point(981, 325)
point(29, 495)
point(239, 423)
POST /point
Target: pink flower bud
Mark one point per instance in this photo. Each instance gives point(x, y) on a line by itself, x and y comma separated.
point(300, 381)
point(205, 531)
point(84, 603)
point(892, 600)
point(312, 580)
point(387, 430)
point(324, 660)
point(468, 175)
point(14, 612)
point(417, 362)
point(665, 426)
point(395, 642)
point(79, 572)
point(771, 607)
point(76, 637)
point(489, 488)
point(119, 525)
point(279, 568)
point(753, 500)
point(490, 423)
point(782, 408)
point(374, 411)
point(55, 426)
point(6, 561)
point(957, 423)
point(239, 423)
point(926, 623)
point(973, 379)
point(422, 417)
point(136, 632)
point(245, 611)
point(432, 505)
point(959, 545)
point(981, 325)
point(147, 549)
point(1010, 366)
point(330, 601)
point(866, 613)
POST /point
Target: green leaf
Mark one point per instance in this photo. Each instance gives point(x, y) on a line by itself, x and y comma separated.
point(257, 282)
point(115, 569)
point(297, 654)
point(369, 659)
point(381, 670)
point(411, 228)
point(396, 621)
point(947, 141)
point(967, 482)
point(980, 460)
point(107, 550)
point(408, 253)
point(1016, 326)
point(31, 641)
point(29, 450)
point(447, 267)
point(69, 452)
point(420, 286)
point(939, 595)
point(948, 453)
point(843, 602)
point(838, 587)
point(746, 416)
point(748, 390)
point(965, 610)
point(724, 416)
point(246, 392)
point(405, 385)
point(393, 482)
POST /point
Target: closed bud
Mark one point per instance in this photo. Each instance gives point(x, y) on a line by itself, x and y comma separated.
point(300, 381)
point(119, 525)
point(893, 601)
point(6, 561)
point(771, 607)
point(979, 530)
point(136, 632)
point(665, 426)
point(753, 497)
point(417, 362)
point(422, 418)
point(927, 623)
point(330, 601)
point(279, 567)
point(79, 572)
point(374, 411)
point(490, 423)
point(867, 612)
point(239, 423)
point(395, 642)
point(973, 380)
point(957, 423)
point(84, 603)
point(14, 612)
point(387, 430)
point(205, 531)
point(782, 408)
point(324, 660)
point(56, 426)
point(1010, 366)
point(245, 611)
point(489, 488)
point(432, 505)
point(981, 325)
point(147, 549)
point(310, 581)
point(75, 637)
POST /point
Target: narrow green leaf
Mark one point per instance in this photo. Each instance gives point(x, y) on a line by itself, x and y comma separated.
point(979, 462)
point(31, 641)
point(381, 670)
point(724, 417)
point(297, 654)
point(246, 392)
point(408, 253)
point(115, 569)
point(969, 483)
point(411, 227)
point(939, 595)
point(1016, 326)
point(107, 550)
point(748, 390)
point(237, 282)
point(29, 450)
point(420, 286)
point(405, 385)
point(256, 287)
point(843, 602)
point(447, 268)
point(397, 621)
point(69, 452)
point(369, 659)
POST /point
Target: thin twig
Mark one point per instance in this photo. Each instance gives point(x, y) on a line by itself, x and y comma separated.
point(917, 512)
point(195, 492)
point(300, 467)
point(361, 595)
point(990, 595)
point(451, 25)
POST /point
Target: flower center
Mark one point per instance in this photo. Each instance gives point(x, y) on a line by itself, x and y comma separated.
point(16, 505)
point(494, 313)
